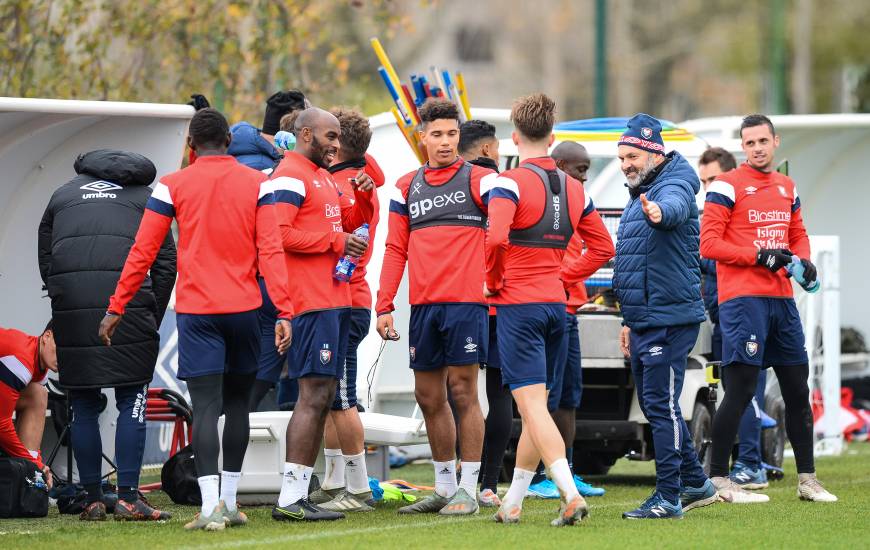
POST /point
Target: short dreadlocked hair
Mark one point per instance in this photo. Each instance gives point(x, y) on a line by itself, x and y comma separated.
point(534, 116)
point(437, 108)
point(209, 128)
point(356, 134)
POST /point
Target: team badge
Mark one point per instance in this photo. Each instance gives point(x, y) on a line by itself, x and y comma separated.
point(782, 191)
point(646, 133)
point(325, 356)
point(470, 346)
point(413, 351)
point(751, 348)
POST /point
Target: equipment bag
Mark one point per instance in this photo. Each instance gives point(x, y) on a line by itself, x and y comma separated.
point(23, 492)
point(178, 478)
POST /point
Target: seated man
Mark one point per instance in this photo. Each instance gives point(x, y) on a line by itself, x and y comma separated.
point(24, 363)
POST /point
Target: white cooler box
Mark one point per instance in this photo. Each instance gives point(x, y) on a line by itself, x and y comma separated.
point(264, 460)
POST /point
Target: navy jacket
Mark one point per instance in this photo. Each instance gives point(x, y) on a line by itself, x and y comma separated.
point(657, 276)
point(710, 289)
point(252, 149)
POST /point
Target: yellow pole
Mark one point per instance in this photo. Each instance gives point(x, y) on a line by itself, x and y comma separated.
point(463, 94)
point(409, 134)
point(391, 72)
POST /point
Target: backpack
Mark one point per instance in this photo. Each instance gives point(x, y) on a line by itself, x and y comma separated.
point(179, 480)
point(23, 492)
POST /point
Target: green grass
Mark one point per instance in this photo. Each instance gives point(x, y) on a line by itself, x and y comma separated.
point(785, 522)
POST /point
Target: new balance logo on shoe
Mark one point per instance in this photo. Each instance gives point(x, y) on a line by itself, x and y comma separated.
point(658, 511)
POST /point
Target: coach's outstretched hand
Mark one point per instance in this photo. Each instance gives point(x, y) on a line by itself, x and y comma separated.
point(107, 328)
point(651, 209)
point(385, 328)
point(283, 335)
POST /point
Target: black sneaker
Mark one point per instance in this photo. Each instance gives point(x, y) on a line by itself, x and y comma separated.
point(302, 510)
point(95, 511)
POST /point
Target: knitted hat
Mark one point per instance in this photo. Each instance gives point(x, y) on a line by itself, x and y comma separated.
point(278, 105)
point(644, 132)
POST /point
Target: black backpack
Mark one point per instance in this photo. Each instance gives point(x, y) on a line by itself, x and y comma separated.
point(23, 492)
point(178, 478)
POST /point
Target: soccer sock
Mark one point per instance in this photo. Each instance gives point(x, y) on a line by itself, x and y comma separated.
point(295, 483)
point(519, 485)
point(540, 474)
point(445, 478)
point(208, 488)
point(333, 477)
point(569, 456)
point(229, 487)
point(564, 479)
point(357, 477)
point(468, 477)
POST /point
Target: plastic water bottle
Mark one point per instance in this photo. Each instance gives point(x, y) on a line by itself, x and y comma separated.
point(796, 270)
point(345, 266)
point(285, 140)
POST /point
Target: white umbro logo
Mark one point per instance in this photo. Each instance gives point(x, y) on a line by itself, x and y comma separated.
point(99, 190)
point(657, 350)
point(751, 190)
point(470, 346)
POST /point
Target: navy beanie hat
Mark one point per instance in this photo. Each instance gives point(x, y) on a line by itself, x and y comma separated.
point(278, 105)
point(644, 132)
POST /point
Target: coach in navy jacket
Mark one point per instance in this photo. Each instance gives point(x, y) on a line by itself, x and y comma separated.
point(657, 279)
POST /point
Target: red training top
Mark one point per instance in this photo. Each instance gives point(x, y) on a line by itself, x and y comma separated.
point(360, 293)
point(445, 263)
point(19, 366)
point(314, 216)
point(226, 228)
point(747, 210)
point(524, 274)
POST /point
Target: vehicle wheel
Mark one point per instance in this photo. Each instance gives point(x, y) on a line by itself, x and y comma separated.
point(593, 464)
point(773, 439)
point(701, 429)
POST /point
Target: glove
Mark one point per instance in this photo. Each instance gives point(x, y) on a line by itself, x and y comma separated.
point(773, 259)
point(198, 101)
point(810, 272)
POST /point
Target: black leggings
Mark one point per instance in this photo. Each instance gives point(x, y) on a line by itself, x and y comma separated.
point(497, 432)
point(740, 381)
point(211, 396)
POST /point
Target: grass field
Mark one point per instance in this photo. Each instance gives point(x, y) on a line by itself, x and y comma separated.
point(785, 522)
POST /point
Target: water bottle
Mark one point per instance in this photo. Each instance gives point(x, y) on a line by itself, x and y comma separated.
point(796, 270)
point(285, 140)
point(39, 482)
point(345, 266)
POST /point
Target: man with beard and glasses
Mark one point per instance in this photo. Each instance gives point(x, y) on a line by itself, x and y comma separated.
point(753, 226)
point(312, 216)
point(657, 279)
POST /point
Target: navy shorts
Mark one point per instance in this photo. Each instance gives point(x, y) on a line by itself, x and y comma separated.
point(345, 391)
point(217, 343)
point(492, 358)
point(270, 362)
point(762, 331)
point(532, 343)
point(442, 335)
point(319, 343)
point(568, 388)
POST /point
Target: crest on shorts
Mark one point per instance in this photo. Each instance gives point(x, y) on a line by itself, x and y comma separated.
point(646, 133)
point(325, 356)
point(413, 351)
point(751, 348)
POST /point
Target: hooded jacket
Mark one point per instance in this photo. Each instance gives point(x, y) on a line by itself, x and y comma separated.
point(85, 234)
point(251, 149)
point(657, 275)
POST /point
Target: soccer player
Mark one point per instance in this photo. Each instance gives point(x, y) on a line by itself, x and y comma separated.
point(657, 279)
point(535, 210)
point(478, 144)
point(752, 228)
point(437, 222)
point(345, 481)
point(24, 364)
point(227, 230)
point(315, 219)
point(748, 471)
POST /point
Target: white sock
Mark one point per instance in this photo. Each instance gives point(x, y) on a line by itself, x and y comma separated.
point(210, 491)
point(445, 478)
point(333, 478)
point(357, 475)
point(229, 488)
point(468, 477)
point(519, 485)
point(295, 484)
point(564, 479)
